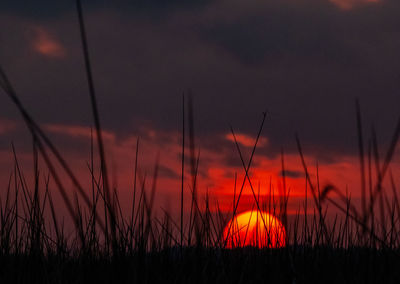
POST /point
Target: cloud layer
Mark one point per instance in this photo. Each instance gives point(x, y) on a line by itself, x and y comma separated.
point(303, 62)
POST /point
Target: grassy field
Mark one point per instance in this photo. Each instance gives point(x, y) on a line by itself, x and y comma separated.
point(110, 245)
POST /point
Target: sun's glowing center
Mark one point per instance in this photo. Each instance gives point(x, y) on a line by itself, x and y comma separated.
point(255, 228)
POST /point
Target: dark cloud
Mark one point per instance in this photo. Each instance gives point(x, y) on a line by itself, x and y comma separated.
point(164, 171)
point(69, 146)
point(280, 31)
point(291, 174)
point(51, 9)
point(304, 62)
point(37, 9)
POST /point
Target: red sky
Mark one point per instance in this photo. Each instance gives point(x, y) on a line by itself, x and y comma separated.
point(216, 175)
point(304, 62)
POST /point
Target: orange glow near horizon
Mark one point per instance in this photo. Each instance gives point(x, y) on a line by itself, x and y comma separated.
point(255, 228)
point(221, 177)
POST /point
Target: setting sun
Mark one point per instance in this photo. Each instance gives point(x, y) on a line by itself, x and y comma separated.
point(255, 228)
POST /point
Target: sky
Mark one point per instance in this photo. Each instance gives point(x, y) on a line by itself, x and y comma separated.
point(303, 62)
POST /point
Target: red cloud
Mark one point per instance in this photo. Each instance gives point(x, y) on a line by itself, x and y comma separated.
point(216, 176)
point(246, 140)
point(350, 4)
point(45, 44)
point(77, 131)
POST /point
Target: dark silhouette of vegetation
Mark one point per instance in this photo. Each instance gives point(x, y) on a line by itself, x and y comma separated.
point(108, 245)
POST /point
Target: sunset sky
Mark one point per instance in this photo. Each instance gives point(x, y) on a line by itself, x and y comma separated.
point(304, 62)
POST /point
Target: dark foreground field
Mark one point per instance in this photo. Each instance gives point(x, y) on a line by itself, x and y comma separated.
point(291, 265)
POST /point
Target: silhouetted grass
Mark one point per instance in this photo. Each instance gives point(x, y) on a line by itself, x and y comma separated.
point(151, 249)
point(110, 245)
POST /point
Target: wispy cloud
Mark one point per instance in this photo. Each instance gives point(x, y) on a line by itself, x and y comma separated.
point(350, 4)
point(77, 131)
point(246, 140)
point(46, 44)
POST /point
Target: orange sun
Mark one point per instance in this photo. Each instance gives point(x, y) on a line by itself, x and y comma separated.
point(255, 228)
